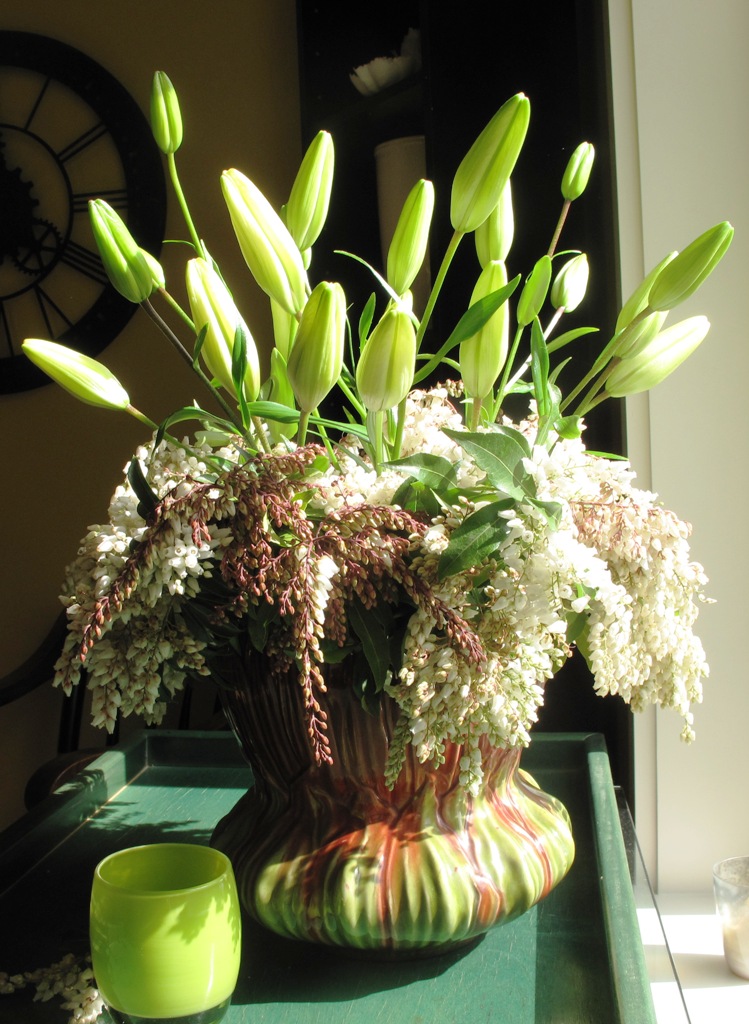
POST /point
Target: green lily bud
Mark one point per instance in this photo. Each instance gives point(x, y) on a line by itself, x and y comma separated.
point(269, 250)
point(316, 359)
point(213, 308)
point(686, 271)
point(638, 300)
point(655, 361)
point(166, 119)
point(534, 292)
point(124, 261)
point(635, 336)
point(483, 355)
point(486, 168)
point(284, 328)
point(385, 371)
point(409, 243)
point(577, 173)
point(493, 238)
point(157, 271)
point(85, 378)
point(310, 194)
point(570, 284)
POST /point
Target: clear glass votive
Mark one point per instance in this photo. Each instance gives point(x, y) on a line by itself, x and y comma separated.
point(731, 885)
point(165, 930)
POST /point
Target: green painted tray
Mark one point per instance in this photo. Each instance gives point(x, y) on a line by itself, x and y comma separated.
point(576, 957)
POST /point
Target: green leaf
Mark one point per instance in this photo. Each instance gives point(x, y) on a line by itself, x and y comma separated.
point(480, 313)
point(551, 415)
point(540, 369)
point(273, 411)
point(355, 429)
point(608, 455)
point(260, 618)
point(188, 412)
point(469, 324)
point(577, 621)
point(147, 500)
point(554, 375)
point(370, 627)
point(520, 387)
point(434, 471)
point(196, 621)
point(198, 345)
point(365, 320)
point(363, 686)
point(568, 336)
point(393, 295)
point(569, 427)
point(238, 370)
point(332, 654)
point(413, 496)
point(551, 510)
point(500, 453)
point(477, 538)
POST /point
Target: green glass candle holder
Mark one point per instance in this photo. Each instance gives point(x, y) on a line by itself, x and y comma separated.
point(165, 932)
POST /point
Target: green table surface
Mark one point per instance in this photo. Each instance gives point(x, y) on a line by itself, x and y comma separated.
point(576, 957)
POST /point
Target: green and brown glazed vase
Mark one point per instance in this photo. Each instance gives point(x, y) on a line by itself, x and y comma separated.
point(328, 854)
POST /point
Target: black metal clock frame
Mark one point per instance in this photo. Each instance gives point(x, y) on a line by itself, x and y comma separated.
point(39, 248)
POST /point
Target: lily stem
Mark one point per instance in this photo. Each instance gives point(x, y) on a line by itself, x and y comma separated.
point(182, 351)
point(176, 184)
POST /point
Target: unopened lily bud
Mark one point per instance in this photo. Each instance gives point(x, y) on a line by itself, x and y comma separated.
point(577, 173)
point(157, 271)
point(684, 274)
point(483, 355)
point(85, 378)
point(124, 261)
point(534, 292)
point(488, 164)
point(638, 300)
point(636, 335)
point(385, 371)
point(316, 358)
point(269, 250)
point(410, 238)
point(494, 237)
point(308, 203)
point(213, 309)
point(284, 328)
point(655, 361)
point(166, 118)
point(570, 284)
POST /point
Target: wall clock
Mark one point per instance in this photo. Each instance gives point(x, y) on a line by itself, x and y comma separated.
point(69, 132)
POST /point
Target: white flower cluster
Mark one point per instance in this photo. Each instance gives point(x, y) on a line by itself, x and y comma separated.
point(611, 572)
point(520, 614)
point(70, 979)
point(428, 414)
point(146, 650)
point(639, 640)
point(617, 557)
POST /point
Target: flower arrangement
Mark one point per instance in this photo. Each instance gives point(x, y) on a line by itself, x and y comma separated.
point(454, 554)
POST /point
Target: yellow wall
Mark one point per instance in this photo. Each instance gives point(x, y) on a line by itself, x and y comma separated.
point(234, 64)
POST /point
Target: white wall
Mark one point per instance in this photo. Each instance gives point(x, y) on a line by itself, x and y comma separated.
point(681, 90)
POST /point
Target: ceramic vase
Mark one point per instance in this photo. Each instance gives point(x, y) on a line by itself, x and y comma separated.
point(328, 854)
